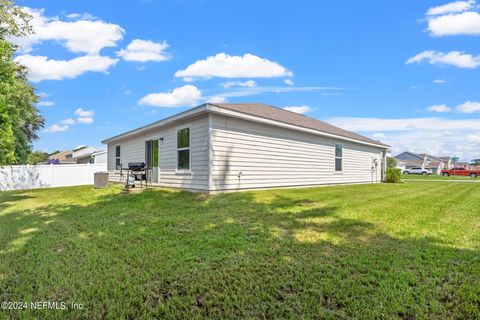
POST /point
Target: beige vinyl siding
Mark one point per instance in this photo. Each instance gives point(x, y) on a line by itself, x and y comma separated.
point(133, 150)
point(268, 157)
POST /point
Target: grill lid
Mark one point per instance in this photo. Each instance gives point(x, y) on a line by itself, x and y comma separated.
point(136, 166)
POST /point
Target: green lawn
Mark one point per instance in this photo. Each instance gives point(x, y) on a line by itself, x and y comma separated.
point(405, 251)
point(436, 177)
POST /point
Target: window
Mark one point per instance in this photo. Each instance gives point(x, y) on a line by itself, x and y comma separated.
point(338, 157)
point(117, 158)
point(183, 149)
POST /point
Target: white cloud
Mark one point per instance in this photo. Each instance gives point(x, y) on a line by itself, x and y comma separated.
point(84, 113)
point(289, 82)
point(41, 68)
point(82, 16)
point(145, 50)
point(244, 84)
point(83, 116)
point(452, 7)
point(469, 107)
point(216, 99)
point(68, 121)
point(86, 35)
point(439, 108)
point(223, 65)
point(379, 136)
point(190, 95)
point(473, 138)
point(246, 92)
point(454, 58)
point(405, 124)
point(298, 109)
point(440, 81)
point(86, 120)
point(185, 96)
point(46, 103)
point(465, 23)
point(56, 128)
point(437, 136)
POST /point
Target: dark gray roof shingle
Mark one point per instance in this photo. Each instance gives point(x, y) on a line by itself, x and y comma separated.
point(285, 116)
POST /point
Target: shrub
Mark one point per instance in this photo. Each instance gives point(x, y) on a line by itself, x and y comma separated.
point(393, 175)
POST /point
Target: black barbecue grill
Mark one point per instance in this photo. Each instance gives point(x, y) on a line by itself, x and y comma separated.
point(136, 171)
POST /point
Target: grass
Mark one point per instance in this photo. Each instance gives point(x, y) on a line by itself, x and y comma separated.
point(405, 251)
point(436, 177)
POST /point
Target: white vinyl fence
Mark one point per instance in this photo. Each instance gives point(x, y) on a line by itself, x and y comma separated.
point(48, 176)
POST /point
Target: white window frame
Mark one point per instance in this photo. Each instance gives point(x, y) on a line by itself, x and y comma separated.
point(189, 170)
point(119, 157)
point(335, 157)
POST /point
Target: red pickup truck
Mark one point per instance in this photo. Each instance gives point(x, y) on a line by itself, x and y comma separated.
point(461, 172)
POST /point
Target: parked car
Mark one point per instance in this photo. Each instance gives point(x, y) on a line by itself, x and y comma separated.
point(461, 172)
point(418, 170)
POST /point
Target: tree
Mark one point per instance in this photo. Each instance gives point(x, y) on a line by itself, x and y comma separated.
point(391, 162)
point(38, 157)
point(20, 120)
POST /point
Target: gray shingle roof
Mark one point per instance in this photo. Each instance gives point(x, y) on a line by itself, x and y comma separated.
point(281, 115)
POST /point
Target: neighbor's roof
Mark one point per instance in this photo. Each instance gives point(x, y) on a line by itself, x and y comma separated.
point(278, 114)
point(60, 155)
point(258, 110)
point(429, 156)
point(412, 163)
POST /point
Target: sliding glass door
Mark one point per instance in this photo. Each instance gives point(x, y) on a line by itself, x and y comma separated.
point(151, 159)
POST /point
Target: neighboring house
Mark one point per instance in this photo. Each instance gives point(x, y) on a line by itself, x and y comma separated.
point(62, 157)
point(83, 154)
point(447, 162)
point(424, 161)
point(412, 160)
point(405, 164)
point(434, 163)
point(222, 147)
point(99, 157)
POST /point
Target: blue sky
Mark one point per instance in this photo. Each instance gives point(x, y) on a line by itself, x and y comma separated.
point(404, 72)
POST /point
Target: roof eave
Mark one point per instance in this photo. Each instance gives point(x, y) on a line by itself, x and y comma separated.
point(177, 117)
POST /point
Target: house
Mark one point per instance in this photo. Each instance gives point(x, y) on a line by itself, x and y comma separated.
point(63, 157)
point(224, 147)
point(434, 163)
point(423, 160)
point(447, 162)
point(411, 160)
point(83, 154)
point(99, 157)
